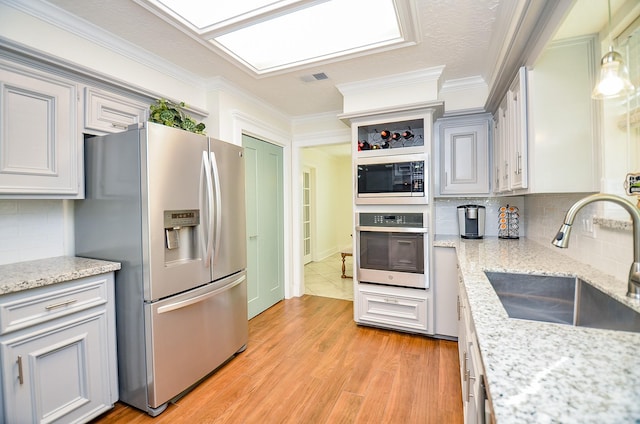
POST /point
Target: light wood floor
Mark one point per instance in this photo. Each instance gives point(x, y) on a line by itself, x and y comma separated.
point(308, 362)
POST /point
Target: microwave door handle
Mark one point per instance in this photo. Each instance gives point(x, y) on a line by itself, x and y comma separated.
point(208, 196)
point(218, 205)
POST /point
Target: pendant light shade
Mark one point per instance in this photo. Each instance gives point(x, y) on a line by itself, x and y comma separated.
point(614, 77)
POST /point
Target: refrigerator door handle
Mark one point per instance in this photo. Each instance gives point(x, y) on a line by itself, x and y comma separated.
point(218, 206)
point(184, 303)
point(209, 199)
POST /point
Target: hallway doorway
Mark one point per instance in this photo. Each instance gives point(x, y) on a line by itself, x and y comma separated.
point(327, 218)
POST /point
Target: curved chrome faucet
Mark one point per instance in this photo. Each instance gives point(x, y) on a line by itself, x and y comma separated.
point(562, 238)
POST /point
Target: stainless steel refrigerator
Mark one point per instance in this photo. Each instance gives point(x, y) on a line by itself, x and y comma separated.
point(169, 205)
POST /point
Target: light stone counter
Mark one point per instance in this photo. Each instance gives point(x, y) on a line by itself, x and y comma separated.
point(28, 275)
point(543, 372)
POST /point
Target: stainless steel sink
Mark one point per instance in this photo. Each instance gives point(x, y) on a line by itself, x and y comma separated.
point(564, 300)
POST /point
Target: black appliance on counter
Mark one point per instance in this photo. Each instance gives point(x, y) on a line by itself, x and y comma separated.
point(471, 220)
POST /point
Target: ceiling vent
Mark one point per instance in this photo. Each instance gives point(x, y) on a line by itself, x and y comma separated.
point(314, 77)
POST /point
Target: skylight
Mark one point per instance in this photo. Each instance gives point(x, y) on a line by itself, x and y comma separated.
point(268, 36)
point(207, 14)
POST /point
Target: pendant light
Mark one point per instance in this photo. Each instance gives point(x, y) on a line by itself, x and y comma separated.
point(614, 75)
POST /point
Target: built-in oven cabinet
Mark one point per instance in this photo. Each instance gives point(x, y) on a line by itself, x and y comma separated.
point(394, 308)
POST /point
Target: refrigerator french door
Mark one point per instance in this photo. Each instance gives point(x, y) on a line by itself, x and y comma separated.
point(160, 201)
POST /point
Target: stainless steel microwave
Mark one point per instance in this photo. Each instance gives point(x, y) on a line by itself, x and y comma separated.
point(392, 180)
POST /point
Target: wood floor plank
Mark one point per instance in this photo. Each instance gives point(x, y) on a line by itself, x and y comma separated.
point(345, 409)
point(376, 398)
point(308, 362)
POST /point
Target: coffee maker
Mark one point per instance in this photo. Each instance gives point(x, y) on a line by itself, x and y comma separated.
point(471, 221)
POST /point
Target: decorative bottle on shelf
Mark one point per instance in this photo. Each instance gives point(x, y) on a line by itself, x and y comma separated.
point(508, 222)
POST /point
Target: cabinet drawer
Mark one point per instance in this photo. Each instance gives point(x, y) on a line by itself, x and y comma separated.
point(393, 310)
point(31, 307)
point(110, 112)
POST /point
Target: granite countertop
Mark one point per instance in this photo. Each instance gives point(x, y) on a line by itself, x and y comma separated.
point(31, 274)
point(540, 372)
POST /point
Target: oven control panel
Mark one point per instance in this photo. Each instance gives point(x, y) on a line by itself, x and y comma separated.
point(391, 220)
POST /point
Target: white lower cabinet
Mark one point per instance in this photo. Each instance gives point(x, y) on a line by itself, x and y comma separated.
point(474, 399)
point(58, 351)
point(393, 307)
point(445, 265)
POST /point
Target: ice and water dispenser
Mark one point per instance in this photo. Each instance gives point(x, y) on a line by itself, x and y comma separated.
point(181, 236)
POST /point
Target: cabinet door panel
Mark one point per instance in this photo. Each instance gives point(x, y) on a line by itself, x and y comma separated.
point(39, 146)
point(464, 155)
point(518, 139)
point(58, 373)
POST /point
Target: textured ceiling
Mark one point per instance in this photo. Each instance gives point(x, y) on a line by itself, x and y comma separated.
point(462, 35)
point(456, 34)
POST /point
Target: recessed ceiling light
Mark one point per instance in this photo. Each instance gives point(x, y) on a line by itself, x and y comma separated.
point(268, 36)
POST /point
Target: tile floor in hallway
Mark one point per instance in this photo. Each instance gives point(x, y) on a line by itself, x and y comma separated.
point(323, 278)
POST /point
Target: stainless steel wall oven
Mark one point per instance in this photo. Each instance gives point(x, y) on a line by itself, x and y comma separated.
point(391, 249)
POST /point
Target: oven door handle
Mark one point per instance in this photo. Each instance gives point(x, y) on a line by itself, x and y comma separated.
point(394, 229)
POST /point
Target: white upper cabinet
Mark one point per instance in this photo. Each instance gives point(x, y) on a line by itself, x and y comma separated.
point(500, 149)
point(463, 155)
point(40, 144)
point(109, 112)
point(517, 132)
point(564, 144)
point(510, 169)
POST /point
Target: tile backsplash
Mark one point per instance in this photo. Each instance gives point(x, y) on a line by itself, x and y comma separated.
point(446, 214)
point(33, 229)
point(608, 249)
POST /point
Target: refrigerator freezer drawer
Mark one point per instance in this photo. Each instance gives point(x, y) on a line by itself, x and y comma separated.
point(193, 333)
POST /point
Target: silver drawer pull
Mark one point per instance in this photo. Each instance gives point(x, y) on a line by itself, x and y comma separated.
point(20, 376)
point(61, 304)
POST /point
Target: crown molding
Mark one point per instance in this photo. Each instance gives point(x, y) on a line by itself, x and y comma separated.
point(392, 81)
point(463, 84)
point(81, 28)
point(323, 138)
